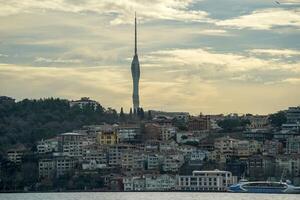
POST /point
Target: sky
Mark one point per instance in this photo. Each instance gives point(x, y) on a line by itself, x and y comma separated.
point(209, 56)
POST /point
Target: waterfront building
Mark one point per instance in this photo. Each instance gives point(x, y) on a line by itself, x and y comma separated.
point(206, 181)
point(150, 182)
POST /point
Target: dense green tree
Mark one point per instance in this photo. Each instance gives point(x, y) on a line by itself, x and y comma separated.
point(277, 119)
point(29, 121)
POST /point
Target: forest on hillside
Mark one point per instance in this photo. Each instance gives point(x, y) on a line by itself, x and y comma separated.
point(28, 121)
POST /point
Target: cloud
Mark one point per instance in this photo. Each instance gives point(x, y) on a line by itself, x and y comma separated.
point(57, 60)
point(264, 19)
point(3, 55)
point(292, 80)
point(121, 11)
point(208, 65)
point(289, 2)
point(276, 52)
point(195, 57)
point(214, 32)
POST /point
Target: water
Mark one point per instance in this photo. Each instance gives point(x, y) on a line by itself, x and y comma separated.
point(146, 196)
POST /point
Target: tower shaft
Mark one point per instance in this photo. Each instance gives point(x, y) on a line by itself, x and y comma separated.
point(135, 71)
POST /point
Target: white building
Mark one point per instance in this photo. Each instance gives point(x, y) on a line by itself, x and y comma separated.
point(83, 102)
point(150, 183)
point(172, 162)
point(290, 163)
point(206, 181)
point(167, 132)
point(163, 182)
point(92, 165)
point(153, 161)
point(47, 146)
point(129, 133)
point(72, 143)
point(56, 166)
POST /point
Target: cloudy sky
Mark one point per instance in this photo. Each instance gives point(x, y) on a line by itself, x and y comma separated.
point(210, 56)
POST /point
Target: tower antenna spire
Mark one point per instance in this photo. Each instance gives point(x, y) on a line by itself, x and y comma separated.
point(135, 35)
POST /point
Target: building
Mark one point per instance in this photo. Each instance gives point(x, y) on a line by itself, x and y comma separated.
point(245, 148)
point(135, 72)
point(153, 161)
point(47, 146)
point(293, 115)
point(150, 183)
point(65, 165)
point(95, 153)
point(293, 119)
point(272, 148)
point(167, 133)
point(290, 163)
point(261, 167)
point(107, 138)
point(58, 165)
point(152, 131)
point(226, 146)
point(134, 183)
point(206, 181)
point(129, 133)
point(115, 153)
point(257, 121)
point(293, 145)
point(133, 160)
point(172, 162)
point(47, 168)
point(84, 102)
point(16, 154)
point(72, 143)
point(200, 123)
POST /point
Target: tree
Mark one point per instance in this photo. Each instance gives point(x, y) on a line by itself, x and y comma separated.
point(130, 113)
point(277, 119)
point(142, 113)
point(149, 115)
point(122, 115)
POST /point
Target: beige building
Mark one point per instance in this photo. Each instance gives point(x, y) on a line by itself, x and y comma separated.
point(107, 138)
point(206, 181)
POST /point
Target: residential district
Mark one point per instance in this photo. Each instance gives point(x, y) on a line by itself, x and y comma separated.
point(167, 151)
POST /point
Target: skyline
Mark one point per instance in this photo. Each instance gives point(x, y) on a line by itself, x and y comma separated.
point(196, 56)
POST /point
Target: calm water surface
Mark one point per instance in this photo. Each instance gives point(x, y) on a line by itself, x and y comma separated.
point(146, 196)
